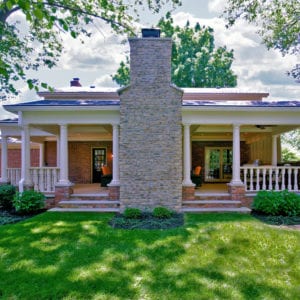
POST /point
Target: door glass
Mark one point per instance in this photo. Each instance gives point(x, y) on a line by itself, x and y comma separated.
point(99, 160)
point(218, 164)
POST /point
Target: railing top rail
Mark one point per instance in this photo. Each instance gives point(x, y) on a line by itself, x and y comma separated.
point(270, 167)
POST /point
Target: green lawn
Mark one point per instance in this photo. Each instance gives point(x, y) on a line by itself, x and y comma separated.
point(214, 256)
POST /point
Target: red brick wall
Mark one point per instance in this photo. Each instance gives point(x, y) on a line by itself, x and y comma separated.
point(14, 158)
point(50, 154)
point(80, 160)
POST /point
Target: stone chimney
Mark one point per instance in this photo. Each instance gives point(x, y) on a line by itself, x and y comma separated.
point(75, 82)
point(150, 157)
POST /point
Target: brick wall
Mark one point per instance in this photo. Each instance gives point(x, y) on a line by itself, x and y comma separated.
point(50, 154)
point(150, 129)
point(80, 160)
point(14, 158)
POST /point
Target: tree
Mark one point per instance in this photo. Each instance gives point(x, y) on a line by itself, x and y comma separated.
point(277, 21)
point(195, 61)
point(41, 44)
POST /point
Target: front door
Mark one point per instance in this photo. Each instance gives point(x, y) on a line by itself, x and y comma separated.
point(99, 160)
point(218, 164)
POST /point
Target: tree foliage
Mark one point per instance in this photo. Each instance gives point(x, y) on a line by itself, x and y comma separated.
point(278, 23)
point(195, 60)
point(291, 146)
point(23, 49)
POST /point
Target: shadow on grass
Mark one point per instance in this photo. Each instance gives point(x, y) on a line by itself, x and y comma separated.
point(78, 256)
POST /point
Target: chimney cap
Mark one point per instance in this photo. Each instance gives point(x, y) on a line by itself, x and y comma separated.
point(150, 33)
point(75, 82)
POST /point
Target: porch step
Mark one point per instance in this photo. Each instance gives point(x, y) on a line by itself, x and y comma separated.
point(86, 209)
point(216, 209)
point(211, 203)
point(89, 204)
point(87, 197)
point(212, 197)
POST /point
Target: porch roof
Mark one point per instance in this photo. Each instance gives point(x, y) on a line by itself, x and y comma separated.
point(241, 103)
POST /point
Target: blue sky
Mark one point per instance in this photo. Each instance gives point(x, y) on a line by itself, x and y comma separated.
point(95, 61)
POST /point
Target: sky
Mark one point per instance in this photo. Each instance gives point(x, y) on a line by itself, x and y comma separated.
point(94, 62)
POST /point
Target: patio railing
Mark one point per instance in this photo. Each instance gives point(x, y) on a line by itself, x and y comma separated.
point(43, 179)
point(258, 178)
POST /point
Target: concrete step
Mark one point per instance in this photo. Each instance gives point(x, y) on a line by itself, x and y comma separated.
point(211, 202)
point(98, 196)
point(88, 204)
point(87, 209)
point(219, 196)
point(216, 209)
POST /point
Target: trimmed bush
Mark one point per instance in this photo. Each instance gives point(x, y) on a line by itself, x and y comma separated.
point(7, 193)
point(132, 213)
point(29, 201)
point(283, 203)
point(162, 213)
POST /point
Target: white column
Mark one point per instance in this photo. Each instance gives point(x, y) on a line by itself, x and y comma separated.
point(236, 159)
point(25, 159)
point(187, 157)
point(4, 159)
point(116, 177)
point(58, 151)
point(42, 158)
point(274, 150)
point(63, 154)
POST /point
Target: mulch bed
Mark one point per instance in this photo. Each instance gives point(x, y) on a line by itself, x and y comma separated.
point(147, 221)
point(10, 217)
point(277, 220)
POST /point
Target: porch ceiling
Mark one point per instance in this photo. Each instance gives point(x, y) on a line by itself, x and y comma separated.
point(248, 132)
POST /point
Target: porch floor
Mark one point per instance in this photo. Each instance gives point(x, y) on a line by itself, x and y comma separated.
point(94, 188)
point(212, 188)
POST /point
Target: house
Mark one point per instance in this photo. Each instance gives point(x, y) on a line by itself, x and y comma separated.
point(151, 134)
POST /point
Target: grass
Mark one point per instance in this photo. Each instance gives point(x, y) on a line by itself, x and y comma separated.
point(214, 256)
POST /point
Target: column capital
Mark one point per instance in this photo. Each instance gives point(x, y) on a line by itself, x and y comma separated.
point(187, 124)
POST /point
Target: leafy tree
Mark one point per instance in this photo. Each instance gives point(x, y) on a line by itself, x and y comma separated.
point(195, 61)
point(291, 145)
point(278, 23)
point(40, 44)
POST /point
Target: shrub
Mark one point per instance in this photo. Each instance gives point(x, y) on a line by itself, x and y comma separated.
point(162, 213)
point(29, 201)
point(290, 206)
point(132, 213)
point(7, 193)
point(273, 203)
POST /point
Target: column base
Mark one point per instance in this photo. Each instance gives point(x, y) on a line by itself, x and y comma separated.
point(113, 192)
point(237, 192)
point(188, 192)
point(62, 192)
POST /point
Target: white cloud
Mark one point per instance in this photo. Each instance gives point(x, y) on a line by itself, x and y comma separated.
point(257, 68)
point(216, 6)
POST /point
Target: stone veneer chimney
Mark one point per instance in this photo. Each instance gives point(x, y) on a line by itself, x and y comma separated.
point(150, 157)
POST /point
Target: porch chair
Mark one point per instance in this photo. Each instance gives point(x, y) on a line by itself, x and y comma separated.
point(106, 176)
point(196, 176)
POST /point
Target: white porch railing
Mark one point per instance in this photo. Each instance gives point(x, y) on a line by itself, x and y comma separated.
point(43, 179)
point(270, 178)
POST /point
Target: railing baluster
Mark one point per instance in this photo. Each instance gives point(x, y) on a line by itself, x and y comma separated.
point(276, 179)
point(289, 187)
point(257, 179)
point(283, 179)
point(251, 179)
point(295, 179)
